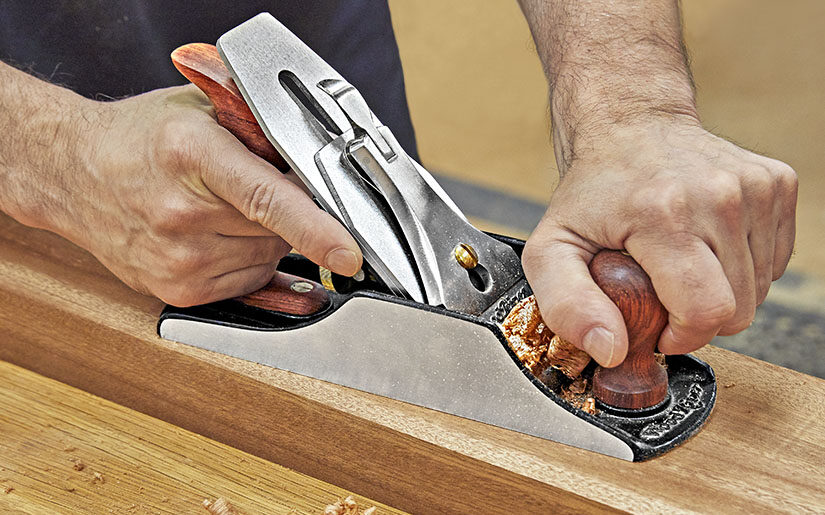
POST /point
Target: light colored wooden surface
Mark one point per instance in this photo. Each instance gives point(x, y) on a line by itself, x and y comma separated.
point(66, 451)
point(66, 317)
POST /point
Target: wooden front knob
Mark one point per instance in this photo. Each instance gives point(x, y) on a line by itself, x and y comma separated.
point(639, 381)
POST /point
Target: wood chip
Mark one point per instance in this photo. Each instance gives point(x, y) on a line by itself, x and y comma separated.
point(220, 507)
point(536, 345)
point(8, 490)
point(730, 385)
point(348, 506)
point(578, 386)
point(98, 478)
point(78, 465)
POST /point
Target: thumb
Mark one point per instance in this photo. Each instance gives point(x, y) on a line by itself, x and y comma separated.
point(265, 196)
point(572, 305)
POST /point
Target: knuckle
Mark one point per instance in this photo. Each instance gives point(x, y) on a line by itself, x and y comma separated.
point(739, 323)
point(185, 261)
point(727, 193)
point(176, 145)
point(786, 177)
point(760, 183)
point(174, 214)
point(261, 206)
point(706, 318)
point(663, 203)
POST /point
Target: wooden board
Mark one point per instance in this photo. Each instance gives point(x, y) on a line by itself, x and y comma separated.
point(64, 450)
point(66, 317)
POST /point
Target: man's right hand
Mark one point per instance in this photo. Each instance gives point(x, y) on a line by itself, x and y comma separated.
point(177, 207)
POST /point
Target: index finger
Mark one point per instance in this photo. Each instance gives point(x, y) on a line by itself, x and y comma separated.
point(265, 196)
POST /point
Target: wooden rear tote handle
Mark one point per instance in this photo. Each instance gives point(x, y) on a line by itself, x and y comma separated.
point(639, 381)
point(201, 64)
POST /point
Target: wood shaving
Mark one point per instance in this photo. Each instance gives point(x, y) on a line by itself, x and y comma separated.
point(536, 345)
point(730, 385)
point(580, 396)
point(347, 506)
point(220, 507)
point(578, 386)
point(661, 359)
point(8, 490)
point(70, 449)
point(78, 465)
point(98, 478)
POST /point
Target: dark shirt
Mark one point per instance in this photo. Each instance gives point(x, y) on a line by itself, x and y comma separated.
point(114, 48)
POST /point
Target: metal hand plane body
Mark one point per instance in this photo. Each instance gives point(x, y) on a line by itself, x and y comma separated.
point(423, 326)
point(357, 171)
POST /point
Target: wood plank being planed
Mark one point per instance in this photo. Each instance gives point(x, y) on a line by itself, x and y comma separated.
point(64, 316)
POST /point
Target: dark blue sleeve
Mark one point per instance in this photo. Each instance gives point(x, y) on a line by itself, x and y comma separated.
point(104, 49)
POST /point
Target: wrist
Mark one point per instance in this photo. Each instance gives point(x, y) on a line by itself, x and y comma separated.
point(42, 148)
point(590, 114)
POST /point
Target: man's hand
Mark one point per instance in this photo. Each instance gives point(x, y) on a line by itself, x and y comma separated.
point(711, 223)
point(162, 195)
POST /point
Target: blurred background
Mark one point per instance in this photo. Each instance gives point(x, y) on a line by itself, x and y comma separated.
point(478, 99)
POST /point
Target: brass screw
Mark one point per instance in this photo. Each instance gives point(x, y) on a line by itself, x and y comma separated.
point(466, 256)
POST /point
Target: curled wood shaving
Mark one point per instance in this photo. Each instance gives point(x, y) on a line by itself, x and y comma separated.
point(347, 506)
point(536, 345)
point(220, 507)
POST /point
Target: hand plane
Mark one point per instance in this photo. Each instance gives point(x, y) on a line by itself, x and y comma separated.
point(424, 321)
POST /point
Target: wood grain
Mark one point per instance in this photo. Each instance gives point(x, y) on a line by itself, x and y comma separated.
point(639, 381)
point(63, 315)
point(64, 450)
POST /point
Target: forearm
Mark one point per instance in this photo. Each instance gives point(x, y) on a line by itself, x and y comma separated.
point(609, 62)
point(43, 131)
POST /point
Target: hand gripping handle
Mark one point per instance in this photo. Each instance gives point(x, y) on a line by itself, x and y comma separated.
point(201, 64)
point(639, 381)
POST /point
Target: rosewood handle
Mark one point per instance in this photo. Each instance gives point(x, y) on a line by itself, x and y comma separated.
point(289, 294)
point(202, 65)
point(639, 381)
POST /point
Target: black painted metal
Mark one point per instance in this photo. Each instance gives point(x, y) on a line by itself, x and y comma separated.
point(649, 432)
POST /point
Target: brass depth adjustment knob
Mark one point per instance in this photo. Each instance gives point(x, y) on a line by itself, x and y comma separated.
point(639, 381)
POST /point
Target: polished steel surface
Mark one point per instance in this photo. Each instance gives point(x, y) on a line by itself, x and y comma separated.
point(412, 355)
point(406, 225)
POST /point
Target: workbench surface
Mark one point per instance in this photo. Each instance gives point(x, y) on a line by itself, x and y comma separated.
point(64, 316)
point(67, 451)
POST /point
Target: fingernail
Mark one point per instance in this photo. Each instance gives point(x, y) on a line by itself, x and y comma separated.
point(598, 342)
point(342, 261)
